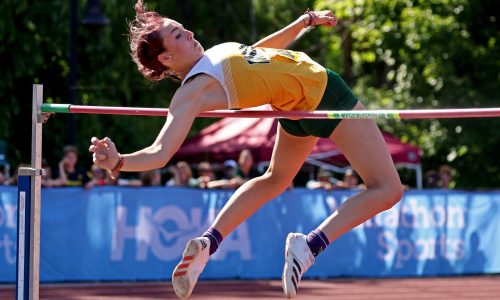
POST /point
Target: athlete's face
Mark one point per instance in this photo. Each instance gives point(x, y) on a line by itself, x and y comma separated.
point(183, 50)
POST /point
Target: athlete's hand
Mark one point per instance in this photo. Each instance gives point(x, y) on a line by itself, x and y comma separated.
point(105, 154)
point(325, 18)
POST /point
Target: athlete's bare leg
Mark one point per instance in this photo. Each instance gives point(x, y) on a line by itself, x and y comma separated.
point(289, 154)
point(363, 145)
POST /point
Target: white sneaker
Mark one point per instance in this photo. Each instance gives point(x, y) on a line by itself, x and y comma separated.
point(194, 259)
point(298, 258)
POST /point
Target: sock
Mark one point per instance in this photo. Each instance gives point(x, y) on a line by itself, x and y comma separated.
point(317, 241)
point(215, 239)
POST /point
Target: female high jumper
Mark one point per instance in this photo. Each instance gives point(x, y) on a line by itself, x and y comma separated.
point(236, 76)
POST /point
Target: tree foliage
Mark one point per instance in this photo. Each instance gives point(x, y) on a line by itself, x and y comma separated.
point(395, 54)
point(429, 54)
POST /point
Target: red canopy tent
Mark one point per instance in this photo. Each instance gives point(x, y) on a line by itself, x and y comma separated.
point(226, 138)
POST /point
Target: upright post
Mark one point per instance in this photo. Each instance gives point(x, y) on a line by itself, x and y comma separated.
point(418, 171)
point(28, 218)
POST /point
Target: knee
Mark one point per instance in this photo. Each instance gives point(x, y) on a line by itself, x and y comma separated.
point(276, 180)
point(392, 194)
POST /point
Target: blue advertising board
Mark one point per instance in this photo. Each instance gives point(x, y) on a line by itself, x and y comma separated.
point(118, 233)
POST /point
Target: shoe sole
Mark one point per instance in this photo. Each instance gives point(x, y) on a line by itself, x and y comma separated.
point(183, 286)
point(288, 286)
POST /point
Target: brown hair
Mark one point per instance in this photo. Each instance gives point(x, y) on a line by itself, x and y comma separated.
point(70, 148)
point(146, 43)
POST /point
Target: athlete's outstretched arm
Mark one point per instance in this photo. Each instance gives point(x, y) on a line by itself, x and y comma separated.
point(188, 102)
point(282, 38)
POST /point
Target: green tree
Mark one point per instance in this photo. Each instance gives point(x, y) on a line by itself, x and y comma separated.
point(428, 54)
point(395, 54)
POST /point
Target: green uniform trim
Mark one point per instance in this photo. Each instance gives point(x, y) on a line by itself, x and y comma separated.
point(337, 96)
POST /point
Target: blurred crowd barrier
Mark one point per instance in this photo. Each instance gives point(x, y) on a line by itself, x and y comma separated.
point(118, 233)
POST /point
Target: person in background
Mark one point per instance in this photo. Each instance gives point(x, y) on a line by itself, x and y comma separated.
point(3, 176)
point(229, 169)
point(228, 179)
point(445, 177)
point(350, 180)
point(324, 180)
point(244, 171)
point(118, 180)
point(182, 175)
point(150, 177)
point(246, 168)
point(47, 180)
point(441, 179)
point(98, 177)
point(70, 174)
point(431, 179)
point(205, 174)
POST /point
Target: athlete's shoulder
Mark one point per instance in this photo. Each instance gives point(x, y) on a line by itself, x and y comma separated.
point(225, 46)
point(196, 84)
point(205, 91)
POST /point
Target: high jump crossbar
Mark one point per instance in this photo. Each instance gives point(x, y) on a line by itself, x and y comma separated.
point(29, 187)
point(359, 114)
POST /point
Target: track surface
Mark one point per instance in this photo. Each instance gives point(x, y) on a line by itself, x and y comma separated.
point(457, 288)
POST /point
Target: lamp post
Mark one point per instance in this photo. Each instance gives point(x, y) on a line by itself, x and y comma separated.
point(93, 17)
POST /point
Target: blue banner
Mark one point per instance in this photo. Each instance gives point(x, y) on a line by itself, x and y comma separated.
point(112, 233)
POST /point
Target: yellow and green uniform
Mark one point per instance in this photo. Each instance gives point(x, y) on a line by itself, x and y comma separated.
point(253, 76)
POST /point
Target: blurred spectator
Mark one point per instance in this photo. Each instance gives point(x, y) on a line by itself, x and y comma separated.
point(98, 177)
point(47, 180)
point(69, 173)
point(205, 174)
point(182, 175)
point(230, 167)
point(445, 177)
point(324, 180)
point(119, 181)
point(244, 170)
point(226, 181)
point(3, 176)
point(431, 179)
point(350, 181)
point(150, 178)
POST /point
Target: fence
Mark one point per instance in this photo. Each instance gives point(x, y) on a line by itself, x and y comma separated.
point(117, 233)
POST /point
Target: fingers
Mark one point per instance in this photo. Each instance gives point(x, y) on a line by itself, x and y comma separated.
point(95, 143)
point(110, 144)
point(106, 140)
point(330, 21)
point(99, 157)
point(327, 13)
point(327, 18)
point(103, 144)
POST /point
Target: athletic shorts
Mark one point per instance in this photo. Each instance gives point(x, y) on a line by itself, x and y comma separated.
point(337, 96)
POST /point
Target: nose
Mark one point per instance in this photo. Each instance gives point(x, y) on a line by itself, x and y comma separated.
point(190, 34)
